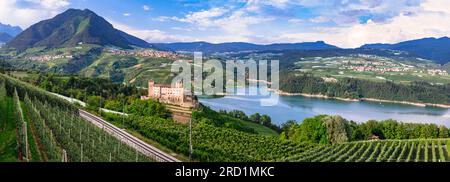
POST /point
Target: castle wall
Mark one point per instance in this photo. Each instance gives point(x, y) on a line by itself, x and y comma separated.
point(170, 95)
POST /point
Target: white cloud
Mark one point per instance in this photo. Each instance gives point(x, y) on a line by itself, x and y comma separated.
point(238, 23)
point(295, 20)
point(203, 18)
point(255, 5)
point(181, 29)
point(235, 22)
point(437, 6)
point(12, 13)
point(429, 20)
point(127, 14)
point(161, 18)
point(146, 8)
point(149, 35)
point(319, 19)
point(51, 4)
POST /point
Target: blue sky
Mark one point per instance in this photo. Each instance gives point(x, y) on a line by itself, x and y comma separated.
point(345, 23)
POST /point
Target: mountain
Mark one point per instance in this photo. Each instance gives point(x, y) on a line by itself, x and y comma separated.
point(240, 46)
point(5, 37)
point(11, 30)
point(71, 28)
point(437, 49)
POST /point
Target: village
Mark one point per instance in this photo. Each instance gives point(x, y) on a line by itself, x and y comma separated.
point(46, 58)
point(374, 64)
point(149, 53)
point(144, 53)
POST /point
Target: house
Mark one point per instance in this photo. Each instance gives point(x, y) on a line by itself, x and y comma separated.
point(374, 138)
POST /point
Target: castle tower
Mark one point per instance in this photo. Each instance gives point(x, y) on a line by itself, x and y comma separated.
point(151, 84)
point(179, 84)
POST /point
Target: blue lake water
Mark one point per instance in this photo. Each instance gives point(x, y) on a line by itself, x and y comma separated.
point(299, 107)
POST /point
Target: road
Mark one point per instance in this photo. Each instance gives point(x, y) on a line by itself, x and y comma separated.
point(131, 140)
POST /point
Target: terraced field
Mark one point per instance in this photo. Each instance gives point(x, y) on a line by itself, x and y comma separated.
point(433, 150)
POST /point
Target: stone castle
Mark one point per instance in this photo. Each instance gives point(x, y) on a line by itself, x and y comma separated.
point(167, 94)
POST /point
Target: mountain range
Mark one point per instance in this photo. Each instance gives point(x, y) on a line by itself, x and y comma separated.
point(5, 37)
point(71, 28)
point(75, 26)
point(437, 49)
point(240, 46)
point(10, 30)
point(7, 32)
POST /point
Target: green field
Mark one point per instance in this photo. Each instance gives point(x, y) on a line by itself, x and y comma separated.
point(377, 77)
point(260, 129)
point(130, 69)
point(8, 137)
point(94, 61)
point(337, 67)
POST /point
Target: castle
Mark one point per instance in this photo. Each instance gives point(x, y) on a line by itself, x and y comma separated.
point(167, 94)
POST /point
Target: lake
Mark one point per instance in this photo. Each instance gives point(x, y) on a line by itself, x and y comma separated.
point(299, 107)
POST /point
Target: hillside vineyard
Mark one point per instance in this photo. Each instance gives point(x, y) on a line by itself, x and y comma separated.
point(60, 133)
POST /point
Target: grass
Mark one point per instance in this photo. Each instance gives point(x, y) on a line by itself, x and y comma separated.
point(19, 74)
point(21, 61)
point(157, 69)
point(130, 69)
point(33, 145)
point(260, 129)
point(8, 137)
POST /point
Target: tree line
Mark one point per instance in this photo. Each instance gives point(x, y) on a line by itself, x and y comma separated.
point(421, 92)
point(257, 118)
point(325, 129)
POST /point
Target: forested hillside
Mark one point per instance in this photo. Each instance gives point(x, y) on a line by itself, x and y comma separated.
point(420, 92)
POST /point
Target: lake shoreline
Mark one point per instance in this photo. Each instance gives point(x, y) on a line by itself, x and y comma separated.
point(283, 93)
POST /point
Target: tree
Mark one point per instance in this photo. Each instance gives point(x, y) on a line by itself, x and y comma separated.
point(389, 129)
point(356, 133)
point(401, 132)
point(288, 128)
point(266, 120)
point(429, 131)
point(256, 118)
point(288, 125)
point(148, 108)
point(311, 130)
point(338, 129)
point(46, 85)
point(238, 114)
point(443, 132)
point(370, 128)
point(93, 102)
point(113, 105)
